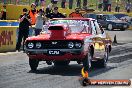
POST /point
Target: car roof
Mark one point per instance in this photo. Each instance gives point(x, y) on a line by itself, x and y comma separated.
point(120, 15)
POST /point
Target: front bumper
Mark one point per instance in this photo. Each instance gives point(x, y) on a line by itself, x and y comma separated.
point(120, 26)
point(65, 54)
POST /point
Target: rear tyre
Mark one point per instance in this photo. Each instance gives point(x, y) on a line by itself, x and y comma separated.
point(33, 64)
point(102, 63)
point(61, 63)
point(106, 56)
point(87, 62)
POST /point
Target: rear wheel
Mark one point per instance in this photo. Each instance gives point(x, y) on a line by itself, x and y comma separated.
point(87, 62)
point(101, 63)
point(33, 64)
point(106, 56)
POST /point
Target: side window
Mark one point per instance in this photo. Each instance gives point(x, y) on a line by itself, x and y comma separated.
point(93, 16)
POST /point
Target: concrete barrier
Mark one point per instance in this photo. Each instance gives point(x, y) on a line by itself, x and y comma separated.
point(7, 38)
point(9, 34)
point(9, 23)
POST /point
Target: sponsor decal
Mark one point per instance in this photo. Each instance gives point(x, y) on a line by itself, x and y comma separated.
point(5, 37)
point(85, 81)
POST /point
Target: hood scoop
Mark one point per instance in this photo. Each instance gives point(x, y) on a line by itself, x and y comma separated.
point(56, 32)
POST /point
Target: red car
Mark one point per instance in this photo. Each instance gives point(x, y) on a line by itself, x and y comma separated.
point(69, 39)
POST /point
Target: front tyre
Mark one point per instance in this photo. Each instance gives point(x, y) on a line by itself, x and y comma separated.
point(33, 64)
point(123, 29)
point(110, 27)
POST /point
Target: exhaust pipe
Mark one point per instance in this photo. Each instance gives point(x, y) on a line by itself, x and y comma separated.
point(49, 62)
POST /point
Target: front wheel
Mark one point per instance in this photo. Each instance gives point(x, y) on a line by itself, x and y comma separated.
point(33, 64)
point(123, 29)
point(110, 27)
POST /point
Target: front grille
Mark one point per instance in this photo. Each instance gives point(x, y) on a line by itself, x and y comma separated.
point(54, 44)
point(46, 53)
point(118, 24)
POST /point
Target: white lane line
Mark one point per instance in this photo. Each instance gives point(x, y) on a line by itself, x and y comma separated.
point(120, 55)
point(123, 45)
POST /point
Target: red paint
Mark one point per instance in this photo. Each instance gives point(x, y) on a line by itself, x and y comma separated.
point(61, 34)
point(68, 56)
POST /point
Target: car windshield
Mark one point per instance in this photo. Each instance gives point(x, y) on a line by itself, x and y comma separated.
point(120, 15)
point(92, 16)
point(75, 26)
point(111, 17)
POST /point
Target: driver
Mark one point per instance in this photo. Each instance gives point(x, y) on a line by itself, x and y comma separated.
point(85, 29)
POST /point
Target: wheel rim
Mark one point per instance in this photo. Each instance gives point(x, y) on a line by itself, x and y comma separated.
point(110, 26)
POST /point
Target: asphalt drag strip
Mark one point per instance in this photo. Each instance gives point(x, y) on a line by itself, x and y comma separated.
point(15, 71)
point(121, 53)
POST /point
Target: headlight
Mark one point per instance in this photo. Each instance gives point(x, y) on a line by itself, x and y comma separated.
point(38, 45)
point(78, 45)
point(70, 45)
point(30, 45)
point(125, 26)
